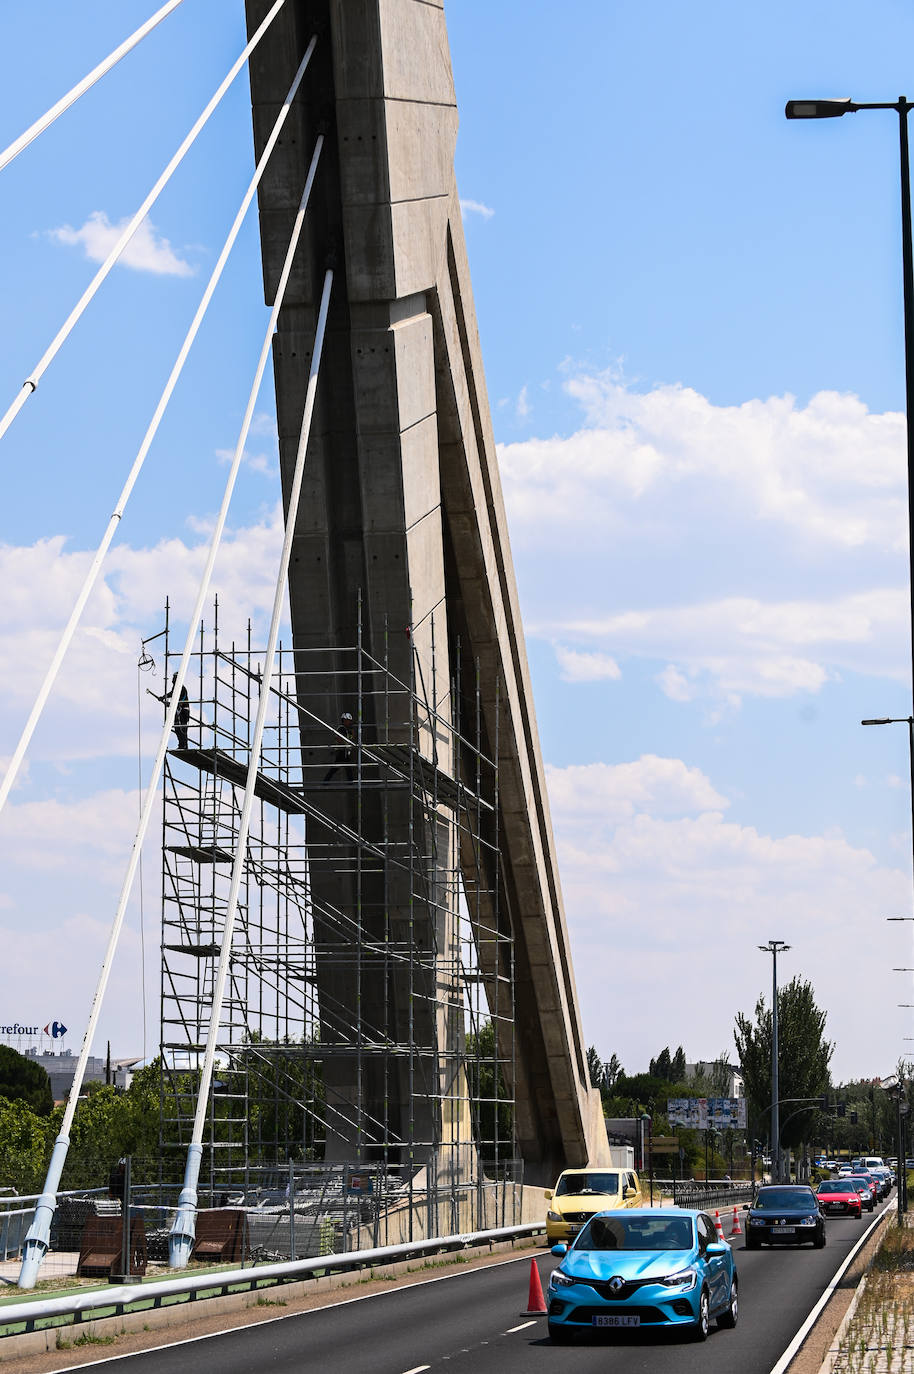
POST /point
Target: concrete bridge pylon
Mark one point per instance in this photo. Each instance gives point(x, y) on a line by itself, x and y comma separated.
point(402, 537)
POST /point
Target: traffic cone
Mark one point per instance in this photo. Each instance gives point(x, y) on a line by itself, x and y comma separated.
point(536, 1303)
point(736, 1229)
point(718, 1227)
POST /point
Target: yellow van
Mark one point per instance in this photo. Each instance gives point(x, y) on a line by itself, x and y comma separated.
point(579, 1193)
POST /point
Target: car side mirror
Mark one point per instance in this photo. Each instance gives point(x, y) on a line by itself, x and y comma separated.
point(559, 1251)
point(716, 1248)
point(628, 1191)
point(547, 1194)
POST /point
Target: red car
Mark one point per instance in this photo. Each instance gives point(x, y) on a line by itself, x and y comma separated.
point(839, 1197)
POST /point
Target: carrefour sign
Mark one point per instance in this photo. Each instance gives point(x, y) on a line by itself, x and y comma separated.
point(55, 1029)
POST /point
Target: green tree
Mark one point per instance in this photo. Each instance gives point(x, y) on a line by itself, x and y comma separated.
point(493, 1120)
point(678, 1066)
point(24, 1141)
point(662, 1065)
point(22, 1080)
point(595, 1067)
point(803, 1058)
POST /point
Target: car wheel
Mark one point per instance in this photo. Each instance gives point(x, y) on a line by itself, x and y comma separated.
point(560, 1335)
point(819, 1242)
point(727, 1320)
point(702, 1326)
point(751, 1244)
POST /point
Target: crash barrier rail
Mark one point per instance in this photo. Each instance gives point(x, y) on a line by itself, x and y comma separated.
point(115, 1300)
point(700, 1194)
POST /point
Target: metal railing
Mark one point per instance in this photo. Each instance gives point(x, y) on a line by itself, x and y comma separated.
point(712, 1192)
point(32, 1315)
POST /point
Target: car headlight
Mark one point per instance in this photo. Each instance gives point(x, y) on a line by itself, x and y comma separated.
point(559, 1280)
point(808, 1221)
point(756, 1221)
point(685, 1279)
point(553, 1216)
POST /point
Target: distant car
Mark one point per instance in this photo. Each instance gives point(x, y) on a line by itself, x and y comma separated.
point(838, 1198)
point(867, 1188)
point(580, 1193)
point(643, 1267)
point(844, 1171)
point(785, 1214)
point(883, 1174)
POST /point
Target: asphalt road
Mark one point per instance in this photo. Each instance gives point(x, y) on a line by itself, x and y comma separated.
point(469, 1323)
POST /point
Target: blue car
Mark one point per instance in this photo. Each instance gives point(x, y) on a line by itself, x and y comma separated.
point(643, 1267)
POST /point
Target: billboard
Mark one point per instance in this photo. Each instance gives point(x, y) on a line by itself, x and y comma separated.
point(704, 1113)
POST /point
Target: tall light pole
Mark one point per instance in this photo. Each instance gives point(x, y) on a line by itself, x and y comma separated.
point(831, 109)
point(775, 947)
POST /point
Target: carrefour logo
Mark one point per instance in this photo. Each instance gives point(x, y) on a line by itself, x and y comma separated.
point(55, 1029)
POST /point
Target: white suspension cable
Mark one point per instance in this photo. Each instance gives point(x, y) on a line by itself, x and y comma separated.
point(71, 97)
point(101, 551)
point(31, 382)
point(36, 1242)
point(184, 1226)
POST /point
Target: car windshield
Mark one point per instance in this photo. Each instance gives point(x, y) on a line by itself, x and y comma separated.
point(832, 1186)
point(779, 1198)
point(636, 1233)
point(860, 1184)
point(587, 1183)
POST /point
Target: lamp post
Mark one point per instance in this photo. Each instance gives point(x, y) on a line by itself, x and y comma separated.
point(775, 947)
point(831, 109)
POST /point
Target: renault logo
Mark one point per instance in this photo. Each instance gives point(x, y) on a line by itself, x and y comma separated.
point(616, 1285)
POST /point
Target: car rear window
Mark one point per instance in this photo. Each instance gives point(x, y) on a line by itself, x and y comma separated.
point(778, 1198)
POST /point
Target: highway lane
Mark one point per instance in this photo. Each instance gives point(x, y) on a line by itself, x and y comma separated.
point(469, 1323)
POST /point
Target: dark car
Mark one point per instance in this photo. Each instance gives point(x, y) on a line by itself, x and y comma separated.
point(867, 1187)
point(785, 1214)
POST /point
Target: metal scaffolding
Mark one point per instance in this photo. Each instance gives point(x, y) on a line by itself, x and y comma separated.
point(368, 1021)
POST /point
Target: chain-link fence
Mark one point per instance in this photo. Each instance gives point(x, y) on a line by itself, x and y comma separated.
point(288, 1212)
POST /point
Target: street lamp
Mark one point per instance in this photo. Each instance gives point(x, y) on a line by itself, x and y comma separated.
point(774, 947)
point(833, 109)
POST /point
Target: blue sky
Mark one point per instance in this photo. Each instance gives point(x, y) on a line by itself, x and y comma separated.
point(691, 321)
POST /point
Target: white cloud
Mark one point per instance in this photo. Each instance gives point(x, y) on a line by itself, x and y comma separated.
point(586, 667)
point(743, 645)
point(475, 207)
point(92, 712)
point(522, 405)
point(147, 251)
point(666, 901)
point(616, 792)
point(674, 684)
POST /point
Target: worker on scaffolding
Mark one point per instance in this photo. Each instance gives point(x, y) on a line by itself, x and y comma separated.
point(344, 750)
point(182, 715)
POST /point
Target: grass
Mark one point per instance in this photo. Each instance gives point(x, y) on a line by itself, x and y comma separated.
point(880, 1335)
point(85, 1339)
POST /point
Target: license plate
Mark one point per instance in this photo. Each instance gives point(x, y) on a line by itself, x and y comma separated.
point(616, 1321)
point(784, 1230)
point(836, 1206)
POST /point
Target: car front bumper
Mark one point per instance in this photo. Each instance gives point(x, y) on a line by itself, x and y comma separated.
point(581, 1307)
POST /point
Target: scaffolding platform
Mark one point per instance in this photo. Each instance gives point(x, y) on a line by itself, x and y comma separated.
point(222, 765)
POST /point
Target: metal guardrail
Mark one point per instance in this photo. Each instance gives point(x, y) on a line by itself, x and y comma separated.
point(114, 1300)
point(713, 1193)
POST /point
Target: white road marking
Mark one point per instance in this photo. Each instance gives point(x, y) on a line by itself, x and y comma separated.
point(418, 1369)
point(511, 1329)
point(286, 1316)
